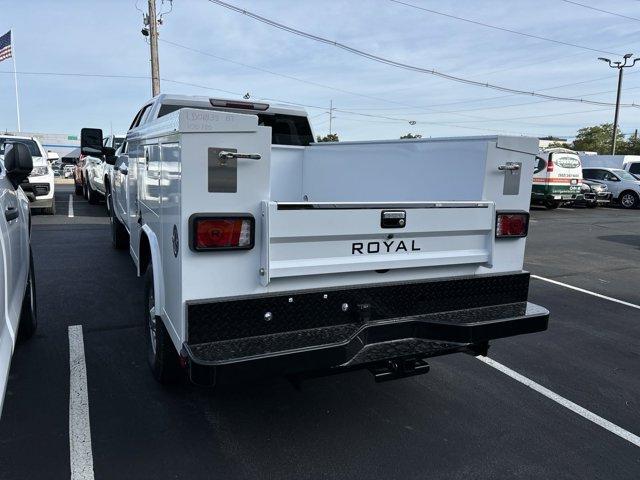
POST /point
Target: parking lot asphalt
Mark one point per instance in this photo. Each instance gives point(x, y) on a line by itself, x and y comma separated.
point(462, 420)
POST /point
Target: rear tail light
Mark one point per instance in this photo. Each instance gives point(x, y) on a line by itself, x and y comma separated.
point(217, 232)
point(550, 166)
point(512, 224)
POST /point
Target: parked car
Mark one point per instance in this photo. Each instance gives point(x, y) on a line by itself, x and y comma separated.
point(556, 177)
point(39, 186)
point(595, 193)
point(254, 264)
point(96, 171)
point(17, 280)
point(67, 171)
point(78, 175)
point(624, 187)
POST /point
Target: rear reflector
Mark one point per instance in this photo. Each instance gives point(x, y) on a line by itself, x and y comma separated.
point(512, 224)
point(211, 232)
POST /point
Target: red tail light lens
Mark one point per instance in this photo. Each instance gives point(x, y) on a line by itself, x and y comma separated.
point(550, 166)
point(222, 233)
point(512, 224)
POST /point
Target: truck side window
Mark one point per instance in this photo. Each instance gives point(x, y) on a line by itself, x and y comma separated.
point(137, 119)
point(593, 174)
point(634, 168)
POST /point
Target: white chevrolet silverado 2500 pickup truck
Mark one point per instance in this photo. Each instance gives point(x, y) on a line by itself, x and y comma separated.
point(264, 252)
point(17, 282)
point(97, 172)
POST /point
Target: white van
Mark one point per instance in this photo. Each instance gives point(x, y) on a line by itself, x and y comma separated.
point(557, 177)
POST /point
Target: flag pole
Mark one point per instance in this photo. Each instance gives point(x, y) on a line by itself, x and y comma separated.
point(15, 78)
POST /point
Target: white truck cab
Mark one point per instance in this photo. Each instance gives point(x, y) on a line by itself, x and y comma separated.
point(39, 186)
point(17, 282)
point(264, 252)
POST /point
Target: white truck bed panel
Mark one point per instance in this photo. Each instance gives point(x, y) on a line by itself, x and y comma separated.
point(395, 171)
point(335, 238)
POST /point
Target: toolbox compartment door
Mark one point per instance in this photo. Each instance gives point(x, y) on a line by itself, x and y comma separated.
point(301, 239)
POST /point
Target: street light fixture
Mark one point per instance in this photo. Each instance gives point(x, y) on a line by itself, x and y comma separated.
point(620, 66)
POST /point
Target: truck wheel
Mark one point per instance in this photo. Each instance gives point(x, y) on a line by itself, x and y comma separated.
point(50, 210)
point(161, 354)
point(119, 234)
point(92, 195)
point(28, 316)
point(628, 199)
point(551, 204)
point(79, 189)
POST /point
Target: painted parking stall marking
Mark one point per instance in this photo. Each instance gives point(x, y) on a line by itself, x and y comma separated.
point(80, 451)
point(588, 292)
point(71, 205)
point(583, 412)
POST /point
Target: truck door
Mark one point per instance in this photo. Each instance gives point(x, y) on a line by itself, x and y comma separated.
point(15, 225)
point(120, 193)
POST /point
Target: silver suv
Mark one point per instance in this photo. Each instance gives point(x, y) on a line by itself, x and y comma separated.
point(624, 187)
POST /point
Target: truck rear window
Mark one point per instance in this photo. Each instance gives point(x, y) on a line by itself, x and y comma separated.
point(285, 129)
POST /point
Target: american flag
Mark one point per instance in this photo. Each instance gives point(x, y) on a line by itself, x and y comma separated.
point(5, 46)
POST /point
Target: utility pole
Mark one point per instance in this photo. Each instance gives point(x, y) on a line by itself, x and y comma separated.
point(330, 116)
point(152, 22)
point(620, 66)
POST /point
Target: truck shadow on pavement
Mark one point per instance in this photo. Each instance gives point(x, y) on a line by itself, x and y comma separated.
point(631, 240)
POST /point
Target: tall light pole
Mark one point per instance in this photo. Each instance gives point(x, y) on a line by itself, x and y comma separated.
point(620, 66)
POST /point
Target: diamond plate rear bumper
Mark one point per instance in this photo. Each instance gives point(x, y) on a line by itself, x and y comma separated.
point(443, 316)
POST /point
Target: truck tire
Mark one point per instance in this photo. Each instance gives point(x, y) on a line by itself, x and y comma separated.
point(28, 312)
point(551, 204)
point(50, 210)
point(79, 189)
point(92, 195)
point(628, 199)
point(161, 354)
point(119, 234)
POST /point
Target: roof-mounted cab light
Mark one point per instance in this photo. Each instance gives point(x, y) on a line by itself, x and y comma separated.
point(238, 104)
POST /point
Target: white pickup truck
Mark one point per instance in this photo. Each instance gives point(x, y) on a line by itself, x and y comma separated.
point(17, 282)
point(264, 252)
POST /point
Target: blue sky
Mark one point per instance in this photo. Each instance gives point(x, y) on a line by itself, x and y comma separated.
point(103, 37)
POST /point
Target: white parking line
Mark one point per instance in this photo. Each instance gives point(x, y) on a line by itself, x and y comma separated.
point(583, 412)
point(588, 292)
point(81, 454)
point(70, 205)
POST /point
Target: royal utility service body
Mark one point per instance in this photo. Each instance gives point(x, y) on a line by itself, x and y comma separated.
point(266, 252)
point(557, 177)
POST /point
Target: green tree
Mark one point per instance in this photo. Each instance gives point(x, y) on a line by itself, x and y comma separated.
point(331, 137)
point(410, 135)
point(630, 147)
point(598, 139)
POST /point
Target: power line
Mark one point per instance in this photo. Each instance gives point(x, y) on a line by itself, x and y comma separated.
point(599, 10)
point(401, 65)
point(314, 83)
point(495, 27)
point(240, 94)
